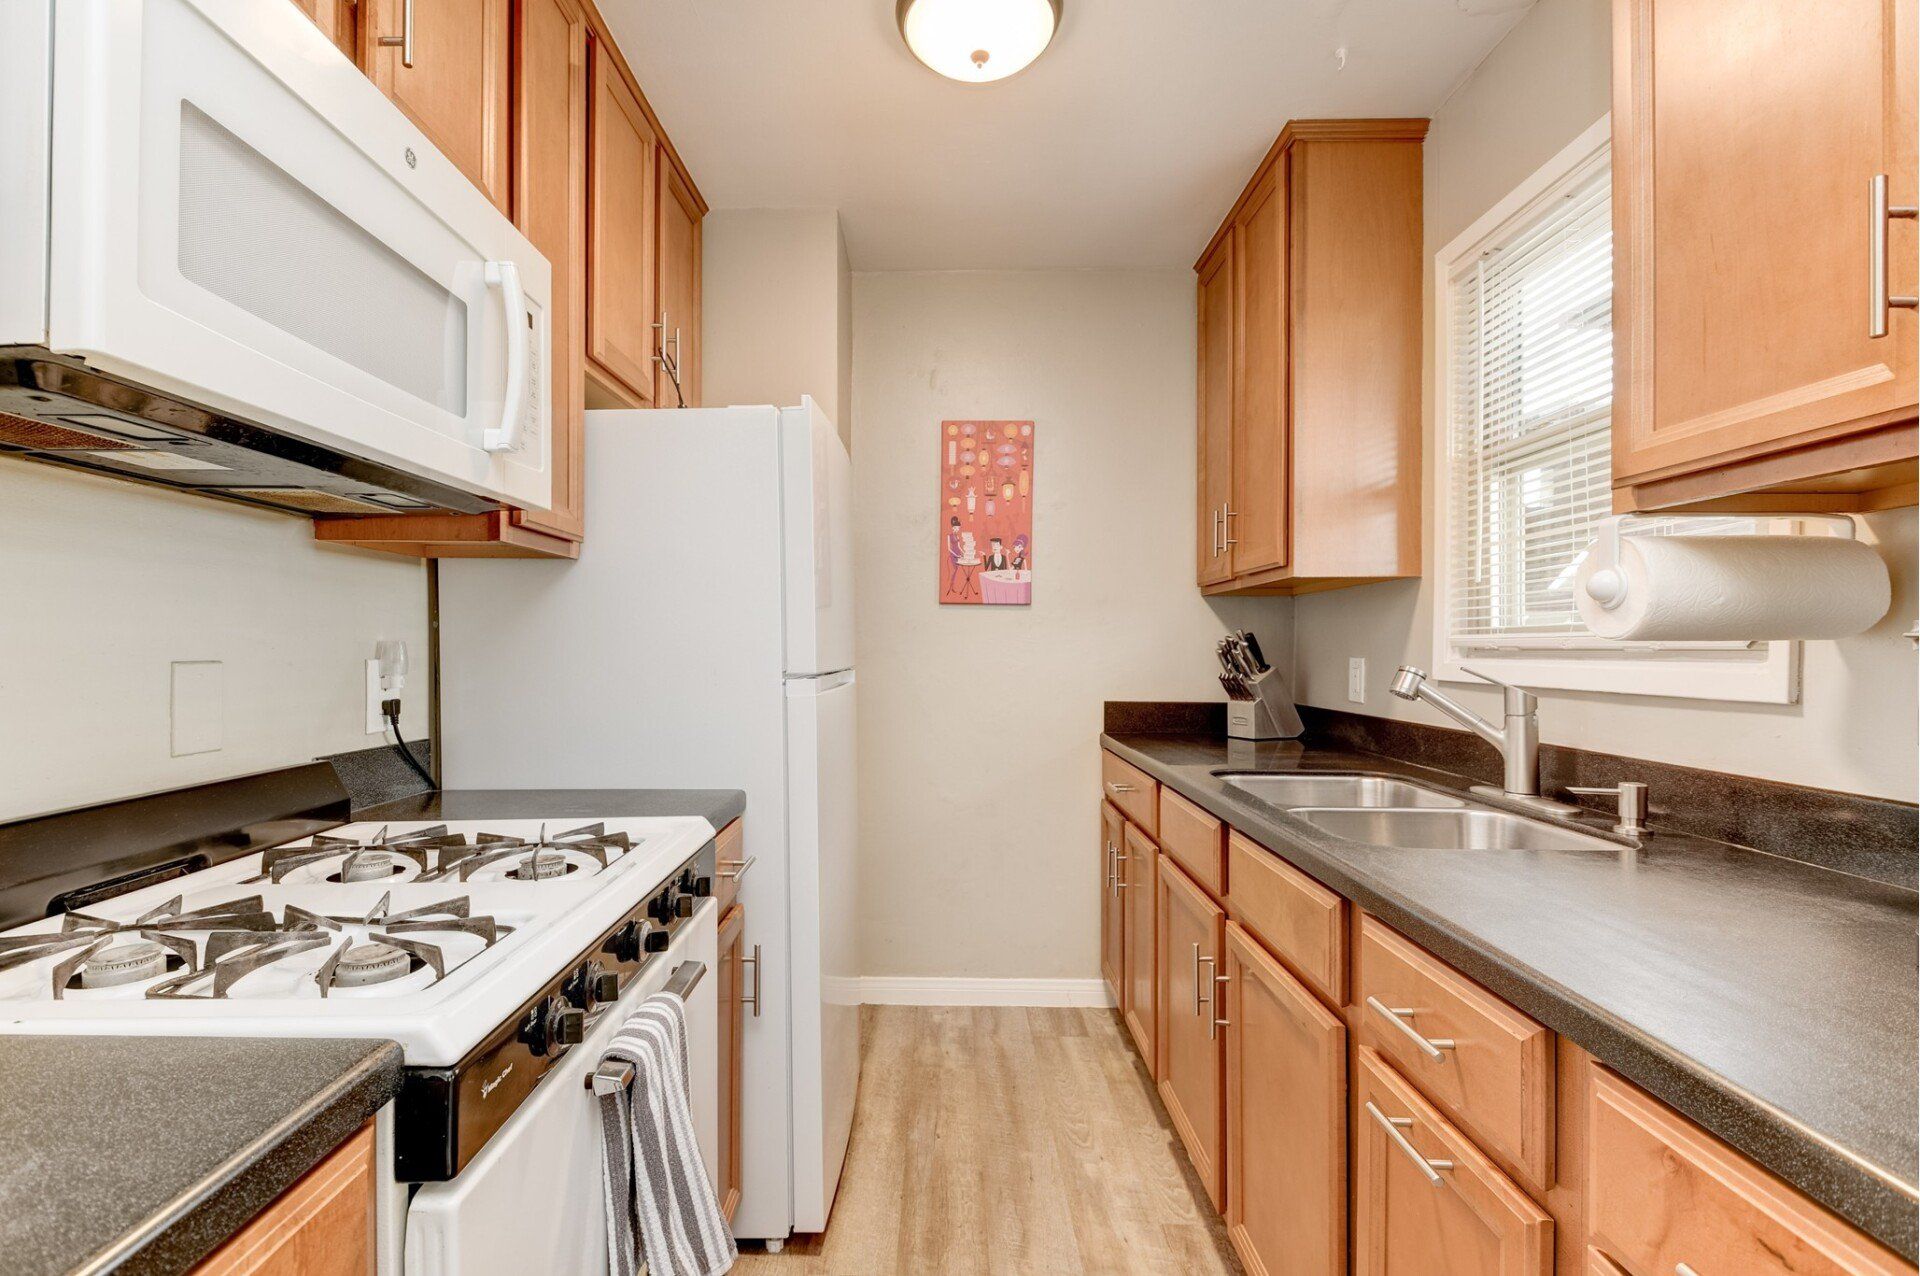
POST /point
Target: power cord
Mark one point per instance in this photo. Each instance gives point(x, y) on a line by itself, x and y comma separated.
point(391, 708)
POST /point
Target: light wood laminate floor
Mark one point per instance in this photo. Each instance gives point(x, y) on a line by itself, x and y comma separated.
point(1007, 1142)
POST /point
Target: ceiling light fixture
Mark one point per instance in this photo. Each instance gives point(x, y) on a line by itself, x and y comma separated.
point(977, 41)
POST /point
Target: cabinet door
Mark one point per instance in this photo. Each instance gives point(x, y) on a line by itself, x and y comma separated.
point(1257, 516)
point(1192, 1048)
point(336, 18)
point(1426, 1201)
point(1286, 1119)
point(622, 218)
point(1216, 409)
point(451, 82)
point(1112, 931)
point(678, 337)
point(1745, 140)
point(1139, 861)
point(733, 1026)
point(550, 207)
point(321, 1226)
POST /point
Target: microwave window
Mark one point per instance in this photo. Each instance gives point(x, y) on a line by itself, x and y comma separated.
point(252, 235)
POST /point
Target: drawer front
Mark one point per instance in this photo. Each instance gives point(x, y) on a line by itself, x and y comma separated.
point(1196, 841)
point(731, 864)
point(1303, 922)
point(1426, 1199)
point(1662, 1192)
point(1132, 790)
point(1486, 1064)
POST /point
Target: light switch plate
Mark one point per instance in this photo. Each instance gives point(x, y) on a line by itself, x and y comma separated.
point(1357, 679)
point(199, 707)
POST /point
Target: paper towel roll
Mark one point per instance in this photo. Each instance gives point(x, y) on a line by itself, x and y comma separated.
point(1739, 588)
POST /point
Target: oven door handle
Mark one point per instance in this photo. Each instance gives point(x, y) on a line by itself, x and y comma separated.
point(685, 978)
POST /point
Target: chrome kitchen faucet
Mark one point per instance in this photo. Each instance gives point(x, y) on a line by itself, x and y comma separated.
point(1518, 742)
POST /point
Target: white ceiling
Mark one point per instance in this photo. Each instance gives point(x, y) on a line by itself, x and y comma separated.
point(1121, 147)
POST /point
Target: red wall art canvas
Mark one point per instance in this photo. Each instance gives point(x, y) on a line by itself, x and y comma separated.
point(986, 513)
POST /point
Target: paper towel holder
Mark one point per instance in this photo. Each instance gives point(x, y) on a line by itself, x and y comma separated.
point(1607, 584)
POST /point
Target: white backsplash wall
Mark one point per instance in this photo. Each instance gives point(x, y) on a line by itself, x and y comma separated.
point(105, 584)
point(979, 767)
point(1853, 729)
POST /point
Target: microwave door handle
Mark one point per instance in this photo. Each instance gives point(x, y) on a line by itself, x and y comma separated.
point(505, 276)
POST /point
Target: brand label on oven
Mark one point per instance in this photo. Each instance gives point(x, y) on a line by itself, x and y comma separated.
point(488, 1087)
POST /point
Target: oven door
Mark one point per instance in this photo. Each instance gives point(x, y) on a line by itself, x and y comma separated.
point(533, 1200)
point(241, 218)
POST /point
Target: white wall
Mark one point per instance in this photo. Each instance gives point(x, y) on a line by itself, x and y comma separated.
point(978, 763)
point(776, 313)
point(1854, 728)
point(103, 584)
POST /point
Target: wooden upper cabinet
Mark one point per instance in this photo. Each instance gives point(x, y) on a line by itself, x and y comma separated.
point(321, 1226)
point(1112, 933)
point(1746, 139)
point(1286, 1119)
point(677, 339)
point(1315, 452)
point(1139, 868)
point(454, 86)
point(1191, 1047)
point(1426, 1201)
point(550, 207)
point(1215, 410)
point(1257, 514)
point(623, 216)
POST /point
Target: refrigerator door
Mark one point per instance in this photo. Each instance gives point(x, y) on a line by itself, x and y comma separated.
point(816, 510)
point(824, 897)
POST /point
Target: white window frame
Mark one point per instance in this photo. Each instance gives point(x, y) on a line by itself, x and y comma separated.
point(1757, 673)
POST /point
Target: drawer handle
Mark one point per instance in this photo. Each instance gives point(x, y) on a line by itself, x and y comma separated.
point(754, 1000)
point(734, 870)
point(1393, 1126)
point(1117, 787)
point(1682, 1269)
point(1432, 1047)
point(1120, 883)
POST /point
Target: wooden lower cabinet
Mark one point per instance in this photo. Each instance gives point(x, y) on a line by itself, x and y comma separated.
point(1191, 1047)
point(1113, 953)
point(1139, 920)
point(1286, 1112)
point(733, 1025)
point(1426, 1201)
point(321, 1226)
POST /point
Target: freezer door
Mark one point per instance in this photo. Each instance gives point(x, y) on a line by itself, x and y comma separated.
point(816, 515)
point(826, 1000)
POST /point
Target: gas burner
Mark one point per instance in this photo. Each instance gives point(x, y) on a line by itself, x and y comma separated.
point(376, 859)
point(96, 952)
point(364, 951)
point(493, 857)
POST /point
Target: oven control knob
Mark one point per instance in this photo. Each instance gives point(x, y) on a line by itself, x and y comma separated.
point(602, 985)
point(662, 907)
point(657, 941)
point(703, 886)
point(566, 1025)
point(684, 906)
point(625, 944)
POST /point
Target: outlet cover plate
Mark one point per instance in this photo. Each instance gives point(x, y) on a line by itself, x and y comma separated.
point(1357, 679)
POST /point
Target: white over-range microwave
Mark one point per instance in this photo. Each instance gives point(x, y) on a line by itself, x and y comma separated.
point(229, 263)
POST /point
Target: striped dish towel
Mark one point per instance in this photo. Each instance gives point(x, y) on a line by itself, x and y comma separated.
point(661, 1209)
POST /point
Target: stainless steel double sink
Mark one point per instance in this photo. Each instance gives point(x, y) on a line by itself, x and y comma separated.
point(1381, 811)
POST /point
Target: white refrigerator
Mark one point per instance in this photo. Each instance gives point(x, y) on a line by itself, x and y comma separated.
point(704, 639)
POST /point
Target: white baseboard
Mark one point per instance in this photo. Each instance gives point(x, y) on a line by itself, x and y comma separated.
point(892, 990)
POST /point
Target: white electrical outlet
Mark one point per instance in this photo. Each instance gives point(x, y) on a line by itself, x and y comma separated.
point(376, 720)
point(1357, 679)
point(199, 706)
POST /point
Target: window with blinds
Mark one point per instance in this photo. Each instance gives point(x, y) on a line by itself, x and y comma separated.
point(1530, 396)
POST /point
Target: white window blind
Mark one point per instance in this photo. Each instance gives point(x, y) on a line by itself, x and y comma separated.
point(1530, 377)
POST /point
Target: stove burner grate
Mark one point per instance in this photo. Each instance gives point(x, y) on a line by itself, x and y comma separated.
point(91, 957)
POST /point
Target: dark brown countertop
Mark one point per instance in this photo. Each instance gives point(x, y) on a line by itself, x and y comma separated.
point(1774, 1002)
point(143, 1154)
point(719, 807)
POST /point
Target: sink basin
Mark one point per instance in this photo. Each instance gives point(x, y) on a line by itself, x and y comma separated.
point(1451, 830)
point(1289, 791)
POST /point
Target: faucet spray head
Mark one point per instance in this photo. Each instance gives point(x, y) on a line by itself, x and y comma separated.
point(1407, 681)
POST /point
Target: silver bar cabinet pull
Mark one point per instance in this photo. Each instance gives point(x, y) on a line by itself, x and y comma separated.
point(1227, 516)
point(1120, 883)
point(754, 1000)
point(734, 870)
point(1682, 1269)
point(1213, 546)
point(1109, 868)
point(1217, 1020)
point(1878, 300)
point(1198, 1001)
point(1432, 1047)
point(1117, 787)
point(1394, 1126)
point(405, 39)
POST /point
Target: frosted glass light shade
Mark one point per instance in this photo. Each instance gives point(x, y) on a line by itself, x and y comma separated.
point(978, 41)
